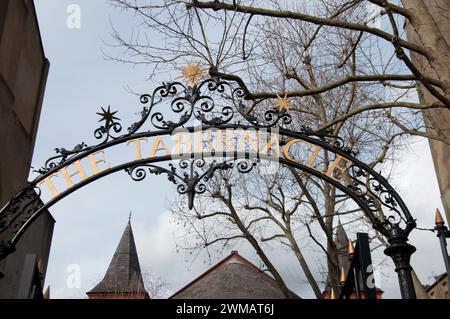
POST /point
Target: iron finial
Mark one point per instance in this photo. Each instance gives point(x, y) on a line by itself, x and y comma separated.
point(333, 294)
point(351, 248)
point(108, 116)
point(342, 277)
point(438, 220)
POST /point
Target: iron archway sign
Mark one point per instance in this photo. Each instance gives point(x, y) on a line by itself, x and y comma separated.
point(227, 135)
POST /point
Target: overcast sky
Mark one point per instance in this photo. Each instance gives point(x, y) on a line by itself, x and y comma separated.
point(89, 222)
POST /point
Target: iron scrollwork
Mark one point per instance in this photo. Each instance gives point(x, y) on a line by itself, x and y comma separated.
point(191, 175)
point(378, 198)
point(63, 155)
point(329, 137)
point(213, 102)
point(20, 209)
point(221, 104)
point(110, 127)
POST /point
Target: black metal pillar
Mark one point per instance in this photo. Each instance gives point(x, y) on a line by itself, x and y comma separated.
point(400, 252)
point(362, 270)
point(443, 233)
point(357, 284)
point(443, 242)
point(365, 263)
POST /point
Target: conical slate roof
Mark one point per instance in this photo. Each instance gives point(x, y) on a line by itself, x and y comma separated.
point(341, 238)
point(123, 276)
point(341, 241)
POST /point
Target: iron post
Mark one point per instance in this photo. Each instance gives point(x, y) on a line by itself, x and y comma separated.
point(443, 233)
point(400, 252)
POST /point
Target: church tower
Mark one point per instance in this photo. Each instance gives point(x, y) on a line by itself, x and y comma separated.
point(123, 279)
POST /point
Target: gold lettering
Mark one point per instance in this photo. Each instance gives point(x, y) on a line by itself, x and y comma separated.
point(274, 141)
point(49, 183)
point(288, 146)
point(310, 162)
point(338, 164)
point(137, 143)
point(311, 159)
point(159, 146)
point(95, 161)
point(68, 176)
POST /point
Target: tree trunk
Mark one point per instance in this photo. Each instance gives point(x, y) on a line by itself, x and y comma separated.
point(259, 251)
point(333, 267)
point(303, 264)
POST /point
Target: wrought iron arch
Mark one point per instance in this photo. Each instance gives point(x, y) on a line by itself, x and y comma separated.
point(216, 104)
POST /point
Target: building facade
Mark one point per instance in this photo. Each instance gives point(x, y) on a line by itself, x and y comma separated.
point(440, 288)
point(23, 76)
point(437, 121)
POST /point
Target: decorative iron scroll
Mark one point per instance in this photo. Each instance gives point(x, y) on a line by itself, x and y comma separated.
point(194, 175)
point(213, 102)
point(377, 196)
point(110, 127)
point(20, 209)
point(58, 160)
point(220, 104)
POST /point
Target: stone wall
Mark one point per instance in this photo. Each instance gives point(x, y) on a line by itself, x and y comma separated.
point(437, 120)
point(36, 240)
point(23, 75)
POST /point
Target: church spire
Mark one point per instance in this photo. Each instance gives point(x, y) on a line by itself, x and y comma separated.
point(342, 242)
point(341, 238)
point(123, 279)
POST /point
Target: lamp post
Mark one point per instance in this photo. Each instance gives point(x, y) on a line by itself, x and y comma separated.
point(443, 233)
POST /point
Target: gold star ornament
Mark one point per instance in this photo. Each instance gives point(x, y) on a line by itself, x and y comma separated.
point(108, 116)
point(282, 103)
point(192, 73)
